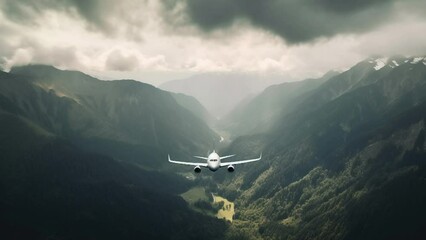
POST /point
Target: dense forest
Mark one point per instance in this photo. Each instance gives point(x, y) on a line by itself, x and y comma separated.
point(54, 185)
point(343, 158)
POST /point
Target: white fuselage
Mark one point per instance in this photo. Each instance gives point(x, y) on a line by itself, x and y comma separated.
point(213, 161)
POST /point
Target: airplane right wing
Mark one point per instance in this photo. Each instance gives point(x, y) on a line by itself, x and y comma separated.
point(223, 164)
point(224, 157)
point(188, 163)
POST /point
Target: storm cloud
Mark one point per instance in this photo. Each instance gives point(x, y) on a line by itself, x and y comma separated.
point(106, 16)
point(163, 39)
point(296, 21)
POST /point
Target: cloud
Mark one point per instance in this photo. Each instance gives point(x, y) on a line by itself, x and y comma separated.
point(118, 62)
point(109, 17)
point(402, 38)
point(21, 56)
point(168, 39)
point(347, 6)
point(296, 21)
point(34, 52)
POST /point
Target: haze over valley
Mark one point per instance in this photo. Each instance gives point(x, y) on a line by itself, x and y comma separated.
point(94, 95)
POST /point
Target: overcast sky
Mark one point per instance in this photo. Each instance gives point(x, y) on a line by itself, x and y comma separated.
point(158, 40)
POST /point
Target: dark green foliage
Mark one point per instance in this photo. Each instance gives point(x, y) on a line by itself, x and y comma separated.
point(346, 162)
point(54, 186)
point(275, 230)
point(395, 211)
point(342, 160)
point(53, 189)
point(133, 121)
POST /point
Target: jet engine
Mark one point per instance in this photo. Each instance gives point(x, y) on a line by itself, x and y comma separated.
point(231, 168)
point(197, 169)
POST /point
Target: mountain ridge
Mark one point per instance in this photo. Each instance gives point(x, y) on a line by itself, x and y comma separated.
point(51, 188)
point(342, 156)
point(135, 117)
point(267, 105)
point(220, 93)
point(356, 137)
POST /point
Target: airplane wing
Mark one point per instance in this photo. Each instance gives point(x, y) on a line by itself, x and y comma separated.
point(188, 163)
point(223, 164)
point(204, 158)
point(227, 156)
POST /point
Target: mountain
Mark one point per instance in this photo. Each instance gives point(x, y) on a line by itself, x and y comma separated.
point(343, 158)
point(51, 189)
point(75, 154)
point(125, 119)
point(220, 93)
point(346, 162)
point(258, 114)
point(193, 105)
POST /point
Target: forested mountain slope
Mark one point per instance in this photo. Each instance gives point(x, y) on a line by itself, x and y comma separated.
point(51, 189)
point(260, 113)
point(126, 119)
point(347, 163)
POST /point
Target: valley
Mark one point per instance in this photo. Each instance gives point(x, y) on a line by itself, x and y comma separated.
point(343, 157)
point(335, 153)
point(212, 120)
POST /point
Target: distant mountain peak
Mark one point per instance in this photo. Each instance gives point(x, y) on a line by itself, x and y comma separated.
point(379, 63)
point(331, 74)
point(34, 67)
point(41, 70)
point(416, 60)
point(395, 61)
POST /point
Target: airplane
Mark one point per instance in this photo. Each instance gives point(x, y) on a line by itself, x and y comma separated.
point(213, 162)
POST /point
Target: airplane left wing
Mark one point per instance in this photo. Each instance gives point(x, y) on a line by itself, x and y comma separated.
point(201, 157)
point(223, 164)
point(187, 163)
